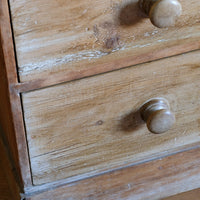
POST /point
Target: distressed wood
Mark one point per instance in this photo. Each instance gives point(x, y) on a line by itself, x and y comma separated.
point(61, 40)
point(193, 195)
point(153, 180)
point(159, 53)
point(59, 50)
point(11, 119)
point(89, 126)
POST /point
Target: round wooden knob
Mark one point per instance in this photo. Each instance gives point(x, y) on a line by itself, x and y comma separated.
point(157, 115)
point(162, 13)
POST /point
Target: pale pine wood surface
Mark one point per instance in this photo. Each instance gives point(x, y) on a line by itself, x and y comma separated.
point(61, 40)
point(181, 43)
point(191, 195)
point(149, 181)
point(92, 125)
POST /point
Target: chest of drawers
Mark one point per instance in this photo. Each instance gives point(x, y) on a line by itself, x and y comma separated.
point(85, 84)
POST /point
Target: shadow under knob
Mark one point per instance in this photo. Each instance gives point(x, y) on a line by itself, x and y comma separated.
point(157, 115)
point(162, 13)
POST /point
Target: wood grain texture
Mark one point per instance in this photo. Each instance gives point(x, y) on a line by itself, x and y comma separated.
point(11, 118)
point(52, 49)
point(153, 180)
point(92, 125)
point(61, 40)
point(193, 195)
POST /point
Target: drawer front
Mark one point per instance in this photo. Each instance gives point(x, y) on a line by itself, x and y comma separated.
point(62, 40)
point(89, 126)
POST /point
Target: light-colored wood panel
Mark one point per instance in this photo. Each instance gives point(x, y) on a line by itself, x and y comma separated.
point(63, 40)
point(193, 195)
point(153, 180)
point(11, 117)
point(92, 125)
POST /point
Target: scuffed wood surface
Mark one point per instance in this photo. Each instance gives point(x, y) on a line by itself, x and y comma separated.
point(191, 195)
point(92, 125)
point(11, 118)
point(62, 40)
point(153, 180)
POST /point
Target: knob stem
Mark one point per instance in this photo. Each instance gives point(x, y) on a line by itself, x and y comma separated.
point(146, 5)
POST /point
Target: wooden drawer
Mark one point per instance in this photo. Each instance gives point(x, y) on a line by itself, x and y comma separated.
point(63, 40)
point(90, 126)
point(56, 131)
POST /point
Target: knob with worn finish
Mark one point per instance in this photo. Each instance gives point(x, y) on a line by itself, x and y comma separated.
point(162, 13)
point(157, 115)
